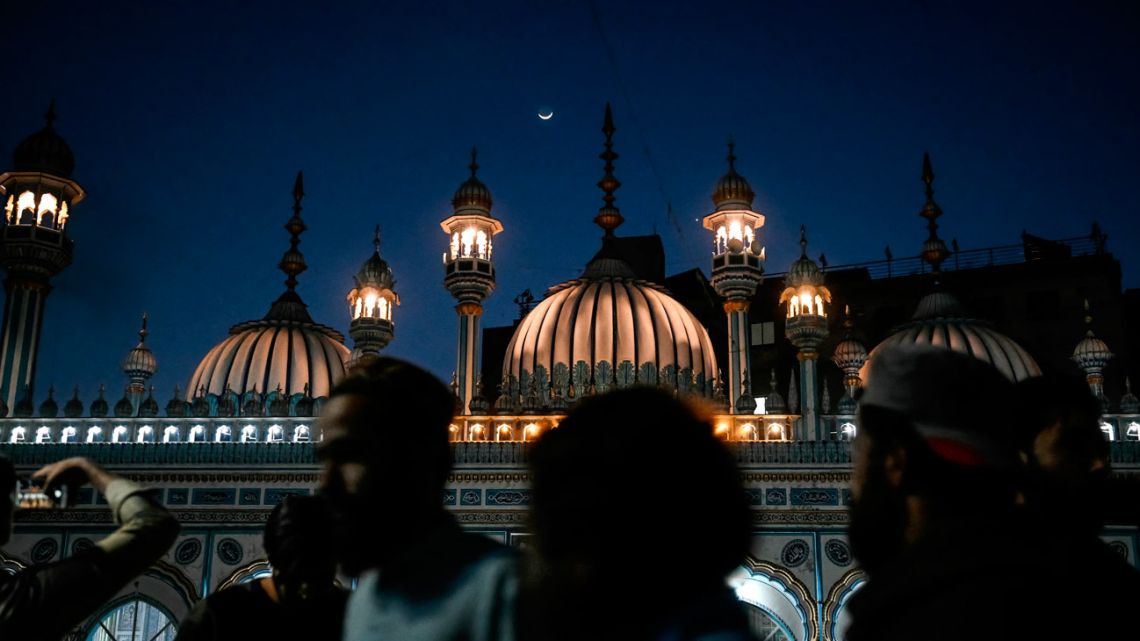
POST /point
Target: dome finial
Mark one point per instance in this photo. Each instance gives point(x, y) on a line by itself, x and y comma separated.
point(731, 155)
point(474, 166)
point(50, 115)
point(142, 331)
point(732, 191)
point(293, 262)
point(609, 216)
point(803, 241)
point(934, 250)
point(376, 240)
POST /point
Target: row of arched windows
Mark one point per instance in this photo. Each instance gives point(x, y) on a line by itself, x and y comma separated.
point(169, 434)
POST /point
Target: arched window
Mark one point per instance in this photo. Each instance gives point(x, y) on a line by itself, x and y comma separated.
point(223, 435)
point(18, 435)
point(197, 434)
point(1109, 431)
point(275, 434)
point(68, 435)
point(302, 435)
point(145, 435)
point(847, 431)
point(249, 434)
point(119, 434)
point(95, 435)
point(1134, 431)
point(43, 435)
point(170, 434)
point(138, 619)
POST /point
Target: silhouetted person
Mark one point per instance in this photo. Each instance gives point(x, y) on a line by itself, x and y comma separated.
point(1071, 490)
point(45, 601)
point(934, 521)
point(631, 479)
point(299, 601)
point(385, 458)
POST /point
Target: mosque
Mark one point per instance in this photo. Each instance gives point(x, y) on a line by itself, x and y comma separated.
point(778, 356)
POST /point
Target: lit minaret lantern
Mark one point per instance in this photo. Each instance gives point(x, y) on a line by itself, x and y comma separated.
point(738, 269)
point(849, 356)
point(39, 196)
point(370, 305)
point(806, 328)
point(469, 272)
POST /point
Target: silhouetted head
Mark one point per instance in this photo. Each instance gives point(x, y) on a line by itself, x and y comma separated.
point(933, 431)
point(632, 479)
point(300, 547)
point(385, 457)
point(1067, 454)
point(7, 498)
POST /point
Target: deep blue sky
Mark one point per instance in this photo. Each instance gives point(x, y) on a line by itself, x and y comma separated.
point(189, 120)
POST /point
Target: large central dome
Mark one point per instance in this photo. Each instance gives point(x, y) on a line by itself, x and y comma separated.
point(620, 327)
point(285, 351)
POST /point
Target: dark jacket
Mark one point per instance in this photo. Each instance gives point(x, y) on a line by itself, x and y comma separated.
point(45, 601)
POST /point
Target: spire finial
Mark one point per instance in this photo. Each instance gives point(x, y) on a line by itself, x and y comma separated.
point(609, 217)
point(731, 155)
point(50, 115)
point(142, 331)
point(1088, 317)
point(803, 241)
point(474, 166)
point(376, 240)
point(293, 262)
point(934, 250)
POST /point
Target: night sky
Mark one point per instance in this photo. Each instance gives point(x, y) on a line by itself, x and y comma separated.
point(188, 121)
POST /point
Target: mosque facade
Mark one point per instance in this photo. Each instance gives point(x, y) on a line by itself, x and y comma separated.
point(777, 357)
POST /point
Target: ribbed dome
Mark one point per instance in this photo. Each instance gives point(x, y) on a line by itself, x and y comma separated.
point(472, 193)
point(621, 322)
point(849, 353)
point(1091, 351)
point(44, 151)
point(375, 272)
point(732, 191)
point(938, 321)
point(266, 354)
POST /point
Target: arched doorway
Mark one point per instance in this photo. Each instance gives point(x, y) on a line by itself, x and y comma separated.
point(136, 618)
point(780, 606)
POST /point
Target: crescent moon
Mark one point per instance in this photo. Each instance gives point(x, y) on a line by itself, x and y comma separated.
point(545, 116)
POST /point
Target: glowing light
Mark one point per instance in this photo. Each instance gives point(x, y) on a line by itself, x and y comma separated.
point(170, 434)
point(275, 434)
point(95, 435)
point(18, 435)
point(1109, 432)
point(119, 434)
point(68, 435)
point(197, 434)
point(63, 215)
point(9, 207)
point(847, 431)
point(145, 434)
point(301, 434)
point(453, 428)
point(27, 202)
point(545, 116)
point(721, 428)
point(48, 205)
point(43, 435)
point(248, 434)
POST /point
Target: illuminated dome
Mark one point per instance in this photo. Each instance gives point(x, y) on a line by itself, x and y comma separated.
point(472, 193)
point(617, 325)
point(285, 350)
point(732, 191)
point(45, 151)
point(939, 321)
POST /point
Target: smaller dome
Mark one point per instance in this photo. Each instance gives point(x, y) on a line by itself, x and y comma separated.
point(849, 354)
point(140, 361)
point(49, 408)
point(124, 407)
point(1091, 351)
point(1129, 404)
point(804, 271)
point(74, 407)
point(847, 406)
point(375, 271)
point(45, 151)
point(99, 407)
point(472, 193)
point(775, 403)
point(732, 191)
point(149, 407)
point(176, 407)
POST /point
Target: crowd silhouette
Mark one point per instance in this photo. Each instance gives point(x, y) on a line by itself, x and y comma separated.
point(972, 499)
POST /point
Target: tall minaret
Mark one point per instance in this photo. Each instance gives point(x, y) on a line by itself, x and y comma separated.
point(806, 328)
point(34, 247)
point(738, 269)
point(370, 305)
point(469, 273)
point(139, 365)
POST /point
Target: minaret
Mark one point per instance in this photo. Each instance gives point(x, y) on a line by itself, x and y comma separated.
point(1092, 354)
point(806, 328)
point(34, 247)
point(738, 269)
point(849, 356)
point(139, 365)
point(370, 305)
point(469, 273)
